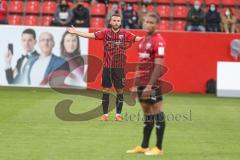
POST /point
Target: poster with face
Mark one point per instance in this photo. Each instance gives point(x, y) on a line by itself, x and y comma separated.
point(32, 56)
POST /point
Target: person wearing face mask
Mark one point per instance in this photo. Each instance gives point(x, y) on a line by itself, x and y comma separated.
point(80, 15)
point(228, 21)
point(213, 19)
point(196, 18)
point(130, 18)
point(63, 15)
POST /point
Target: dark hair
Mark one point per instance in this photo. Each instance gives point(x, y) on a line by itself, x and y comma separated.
point(63, 50)
point(230, 9)
point(30, 31)
point(154, 15)
point(115, 15)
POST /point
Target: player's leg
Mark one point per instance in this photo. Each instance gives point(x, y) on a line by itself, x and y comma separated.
point(119, 104)
point(160, 123)
point(106, 84)
point(157, 110)
point(147, 129)
point(118, 80)
point(148, 123)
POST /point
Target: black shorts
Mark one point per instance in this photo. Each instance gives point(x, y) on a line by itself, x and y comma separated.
point(115, 76)
point(156, 95)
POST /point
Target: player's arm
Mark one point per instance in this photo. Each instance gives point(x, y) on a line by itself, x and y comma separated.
point(158, 63)
point(73, 30)
point(159, 50)
point(138, 38)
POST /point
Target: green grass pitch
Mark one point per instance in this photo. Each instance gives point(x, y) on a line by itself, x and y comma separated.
point(209, 129)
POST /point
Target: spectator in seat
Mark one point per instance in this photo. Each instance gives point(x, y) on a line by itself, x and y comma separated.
point(130, 18)
point(100, 1)
point(63, 15)
point(147, 1)
point(196, 18)
point(229, 21)
point(81, 15)
point(114, 10)
point(141, 14)
point(238, 26)
point(3, 13)
point(213, 19)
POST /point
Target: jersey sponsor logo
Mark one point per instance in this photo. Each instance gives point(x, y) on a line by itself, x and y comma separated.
point(144, 55)
point(161, 51)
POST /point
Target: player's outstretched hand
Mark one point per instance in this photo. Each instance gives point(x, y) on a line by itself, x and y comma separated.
point(72, 30)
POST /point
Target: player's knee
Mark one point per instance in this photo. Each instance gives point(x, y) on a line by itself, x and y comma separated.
point(106, 90)
point(157, 107)
point(119, 91)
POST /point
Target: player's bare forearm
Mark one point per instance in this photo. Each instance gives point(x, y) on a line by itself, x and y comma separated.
point(86, 35)
point(138, 38)
point(156, 71)
point(73, 30)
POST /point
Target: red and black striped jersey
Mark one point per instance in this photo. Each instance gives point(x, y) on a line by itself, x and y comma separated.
point(115, 45)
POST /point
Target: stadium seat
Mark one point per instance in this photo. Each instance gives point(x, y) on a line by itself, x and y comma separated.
point(180, 12)
point(163, 10)
point(133, 1)
point(164, 25)
point(150, 8)
point(229, 2)
point(192, 1)
point(31, 20)
point(33, 7)
point(70, 4)
point(98, 9)
point(135, 7)
point(179, 25)
point(163, 1)
point(15, 19)
point(46, 20)
point(16, 6)
point(180, 1)
point(208, 2)
point(49, 7)
point(86, 5)
point(97, 22)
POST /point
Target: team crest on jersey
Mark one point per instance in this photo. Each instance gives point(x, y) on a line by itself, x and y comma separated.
point(160, 44)
point(120, 37)
point(148, 45)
